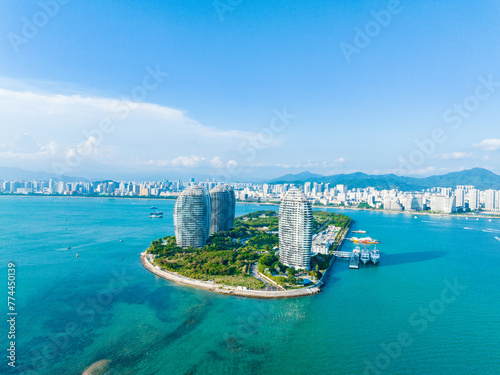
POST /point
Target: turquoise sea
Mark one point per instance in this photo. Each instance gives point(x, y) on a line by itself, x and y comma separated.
point(432, 306)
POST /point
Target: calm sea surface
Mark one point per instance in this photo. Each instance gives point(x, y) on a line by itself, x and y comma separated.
point(432, 306)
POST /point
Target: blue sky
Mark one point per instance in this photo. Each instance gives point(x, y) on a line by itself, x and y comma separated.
point(253, 89)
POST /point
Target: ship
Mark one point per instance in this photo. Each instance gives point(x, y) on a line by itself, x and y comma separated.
point(156, 214)
point(375, 256)
point(153, 208)
point(365, 255)
point(365, 240)
point(359, 231)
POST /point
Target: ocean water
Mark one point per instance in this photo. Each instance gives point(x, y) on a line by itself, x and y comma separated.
point(432, 305)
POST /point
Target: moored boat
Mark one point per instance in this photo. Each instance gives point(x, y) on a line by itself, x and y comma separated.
point(375, 256)
point(365, 256)
point(365, 241)
point(356, 251)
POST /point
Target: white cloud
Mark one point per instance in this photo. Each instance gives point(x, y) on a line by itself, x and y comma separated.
point(491, 144)
point(457, 156)
point(106, 132)
point(217, 162)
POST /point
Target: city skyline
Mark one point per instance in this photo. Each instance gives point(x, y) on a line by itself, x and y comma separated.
point(220, 198)
point(203, 90)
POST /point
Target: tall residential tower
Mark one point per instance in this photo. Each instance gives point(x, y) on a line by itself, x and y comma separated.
point(223, 204)
point(192, 213)
point(295, 230)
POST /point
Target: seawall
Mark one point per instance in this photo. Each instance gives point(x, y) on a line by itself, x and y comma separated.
point(225, 289)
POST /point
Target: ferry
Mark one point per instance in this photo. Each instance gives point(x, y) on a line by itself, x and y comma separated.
point(156, 214)
point(365, 256)
point(375, 256)
point(365, 240)
point(359, 231)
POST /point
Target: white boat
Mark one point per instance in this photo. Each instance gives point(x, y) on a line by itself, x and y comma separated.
point(356, 251)
point(375, 256)
point(156, 214)
point(365, 255)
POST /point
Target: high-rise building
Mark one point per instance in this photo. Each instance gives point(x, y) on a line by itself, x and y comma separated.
point(307, 188)
point(295, 230)
point(490, 200)
point(441, 203)
point(223, 203)
point(192, 213)
point(460, 194)
point(342, 189)
point(466, 188)
point(474, 199)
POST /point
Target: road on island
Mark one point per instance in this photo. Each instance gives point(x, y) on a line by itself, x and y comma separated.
point(254, 273)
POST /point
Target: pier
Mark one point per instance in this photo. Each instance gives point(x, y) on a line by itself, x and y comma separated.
point(342, 254)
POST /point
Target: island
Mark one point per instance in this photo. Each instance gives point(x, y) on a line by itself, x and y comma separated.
point(244, 261)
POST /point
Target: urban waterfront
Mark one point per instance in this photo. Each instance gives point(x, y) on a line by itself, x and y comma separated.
point(431, 306)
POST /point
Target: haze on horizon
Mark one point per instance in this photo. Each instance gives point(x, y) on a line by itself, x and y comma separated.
point(256, 89)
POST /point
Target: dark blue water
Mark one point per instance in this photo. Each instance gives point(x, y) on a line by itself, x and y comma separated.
point(432, 306)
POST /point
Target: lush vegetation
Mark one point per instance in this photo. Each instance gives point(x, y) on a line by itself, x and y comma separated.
point(228, 256)
point(364, 205)
point(322, 219)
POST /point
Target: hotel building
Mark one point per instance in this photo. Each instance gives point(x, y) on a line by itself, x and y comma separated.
point(192, 213)
point(295, 230)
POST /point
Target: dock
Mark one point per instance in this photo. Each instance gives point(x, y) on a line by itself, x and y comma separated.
point(342, 254)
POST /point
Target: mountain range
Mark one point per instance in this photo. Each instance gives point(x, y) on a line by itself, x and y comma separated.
point(12, 174)
point(481, 178)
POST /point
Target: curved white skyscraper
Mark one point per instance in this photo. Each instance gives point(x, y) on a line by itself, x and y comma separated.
point(295, 230)
point(192, 213)
point(223, 208)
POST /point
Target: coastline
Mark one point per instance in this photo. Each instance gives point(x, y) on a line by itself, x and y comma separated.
point(417, 213)
point(485, 215)
point(225, 289)
point(239, 291)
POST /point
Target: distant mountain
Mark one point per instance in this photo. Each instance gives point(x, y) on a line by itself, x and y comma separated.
point(480, 178)
point(10, 174)
point(304, 176)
